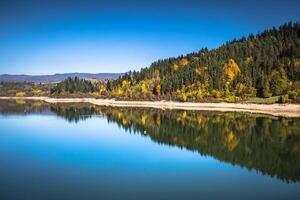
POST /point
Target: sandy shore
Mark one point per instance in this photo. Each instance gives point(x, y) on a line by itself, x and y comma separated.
point(286, 110)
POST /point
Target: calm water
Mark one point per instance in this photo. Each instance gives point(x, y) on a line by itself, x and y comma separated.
point(86, 152)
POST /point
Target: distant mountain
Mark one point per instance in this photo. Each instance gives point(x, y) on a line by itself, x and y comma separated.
point(56, 77)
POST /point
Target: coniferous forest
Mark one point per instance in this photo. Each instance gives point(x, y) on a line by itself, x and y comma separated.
point(262, 65)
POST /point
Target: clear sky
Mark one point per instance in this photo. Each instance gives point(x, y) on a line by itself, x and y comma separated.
point(49, 36)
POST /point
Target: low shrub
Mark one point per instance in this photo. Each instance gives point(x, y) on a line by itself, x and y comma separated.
point(283, 99)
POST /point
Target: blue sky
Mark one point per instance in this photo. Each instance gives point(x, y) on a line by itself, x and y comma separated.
point(49, 36)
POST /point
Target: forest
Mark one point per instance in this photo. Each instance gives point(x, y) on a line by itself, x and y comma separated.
point(262, 68)
point(262, 65)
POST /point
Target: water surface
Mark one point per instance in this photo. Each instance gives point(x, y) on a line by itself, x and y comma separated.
point(85, 152)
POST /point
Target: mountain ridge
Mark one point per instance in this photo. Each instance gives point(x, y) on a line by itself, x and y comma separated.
point(57, 77)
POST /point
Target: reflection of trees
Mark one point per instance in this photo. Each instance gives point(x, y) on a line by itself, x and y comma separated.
point(70, 112)
point(22, 107)
point(74, 113)
point(267, 144)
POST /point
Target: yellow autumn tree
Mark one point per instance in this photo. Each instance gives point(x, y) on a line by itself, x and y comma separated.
point(231, 69)
point(21, 94)
point(157, 89)
point(240, 89)
point(183, 62)
point(144, 88)
point(102, 89)
point(181, 94)
point(117, 91)
point(200, 70)
point(175, 67)
point(183, 97)
point(125, 83)
point(199, 94)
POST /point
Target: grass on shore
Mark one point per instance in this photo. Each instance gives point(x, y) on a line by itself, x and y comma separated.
point(258, 100)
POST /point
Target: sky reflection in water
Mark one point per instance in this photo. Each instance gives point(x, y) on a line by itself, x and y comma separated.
point(45, 157)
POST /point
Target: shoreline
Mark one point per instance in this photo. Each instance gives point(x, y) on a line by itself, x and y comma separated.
point(284, 110)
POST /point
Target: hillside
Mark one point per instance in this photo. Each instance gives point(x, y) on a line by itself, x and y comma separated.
point(56, 77)
point(262, 65)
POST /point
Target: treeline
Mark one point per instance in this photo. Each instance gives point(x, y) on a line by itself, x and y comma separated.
point(74, 85)
point(264, 65)
point(21, 89)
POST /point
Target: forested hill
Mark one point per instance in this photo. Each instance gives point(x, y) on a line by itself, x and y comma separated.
point(262, 65)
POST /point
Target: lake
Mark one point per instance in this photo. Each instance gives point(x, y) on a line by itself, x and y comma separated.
point(80, 151)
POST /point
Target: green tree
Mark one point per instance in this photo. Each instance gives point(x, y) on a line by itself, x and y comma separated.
point(278, 82)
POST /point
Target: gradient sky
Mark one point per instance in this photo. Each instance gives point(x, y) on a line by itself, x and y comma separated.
point(47, 37)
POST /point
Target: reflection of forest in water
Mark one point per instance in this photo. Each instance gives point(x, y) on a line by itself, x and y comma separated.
point(270, 145)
